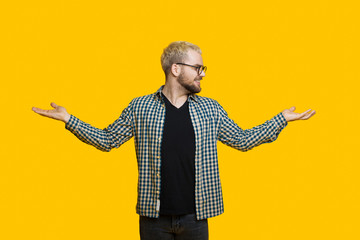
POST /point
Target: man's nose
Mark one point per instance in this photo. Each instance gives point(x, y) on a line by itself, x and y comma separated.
point(202, 74)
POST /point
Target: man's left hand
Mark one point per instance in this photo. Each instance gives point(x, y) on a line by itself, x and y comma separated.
point(290, 115)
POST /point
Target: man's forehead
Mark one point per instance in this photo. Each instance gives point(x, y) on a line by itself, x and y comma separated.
point(194, 57)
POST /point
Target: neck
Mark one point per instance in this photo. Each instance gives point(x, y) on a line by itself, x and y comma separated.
point(175, 93)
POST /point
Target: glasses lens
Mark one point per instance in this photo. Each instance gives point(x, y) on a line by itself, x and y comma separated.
point(202, 69)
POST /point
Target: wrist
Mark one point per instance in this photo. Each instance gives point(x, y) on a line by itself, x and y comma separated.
point(66, 118)
point(284, 116)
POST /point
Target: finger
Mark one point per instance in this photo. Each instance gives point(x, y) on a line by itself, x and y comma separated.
point(308, 115)
point(292, 108)
point(37, 110)
point(42, 111)
point(54, 105)
point(312, 114)
point(304, 114)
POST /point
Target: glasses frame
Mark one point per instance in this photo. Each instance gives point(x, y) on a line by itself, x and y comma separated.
point(199, 69)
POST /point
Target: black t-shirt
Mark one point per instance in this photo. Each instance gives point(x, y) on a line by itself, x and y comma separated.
point(177, 194)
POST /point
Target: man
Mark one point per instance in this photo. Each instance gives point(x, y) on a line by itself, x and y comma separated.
point(175, 133)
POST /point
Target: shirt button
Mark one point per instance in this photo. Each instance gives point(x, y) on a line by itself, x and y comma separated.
point(158, 157)
point(159, 139)
point(157, 192)
point(158, 174)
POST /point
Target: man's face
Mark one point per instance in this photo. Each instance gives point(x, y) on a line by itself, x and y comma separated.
point(189, 77)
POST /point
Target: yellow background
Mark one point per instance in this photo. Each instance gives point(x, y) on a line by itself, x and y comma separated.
point(93, 57)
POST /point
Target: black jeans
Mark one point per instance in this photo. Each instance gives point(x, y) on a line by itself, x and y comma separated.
point(174, 227)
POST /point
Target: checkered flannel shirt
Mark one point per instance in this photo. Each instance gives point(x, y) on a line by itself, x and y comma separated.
point(144, 119)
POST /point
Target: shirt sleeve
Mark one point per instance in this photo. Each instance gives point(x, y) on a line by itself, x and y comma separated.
point(105, 139)
point(232, 135)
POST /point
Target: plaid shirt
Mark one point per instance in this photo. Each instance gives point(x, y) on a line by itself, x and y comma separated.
point(144, 119)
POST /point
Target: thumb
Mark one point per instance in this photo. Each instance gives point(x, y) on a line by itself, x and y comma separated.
point(292, 108)
point(54, 105)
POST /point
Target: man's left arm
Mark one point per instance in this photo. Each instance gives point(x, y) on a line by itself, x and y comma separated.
point(232, 135)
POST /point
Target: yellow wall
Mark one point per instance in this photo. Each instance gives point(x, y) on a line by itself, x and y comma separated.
point(93, 57)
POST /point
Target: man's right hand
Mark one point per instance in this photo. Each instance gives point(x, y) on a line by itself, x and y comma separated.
point(59, 113)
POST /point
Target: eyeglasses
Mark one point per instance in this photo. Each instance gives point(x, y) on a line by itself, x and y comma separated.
point(199, 69)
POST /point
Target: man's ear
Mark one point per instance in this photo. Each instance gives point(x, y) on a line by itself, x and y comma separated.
point(175, 70)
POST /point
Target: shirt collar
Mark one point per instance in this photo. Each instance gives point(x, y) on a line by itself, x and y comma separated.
point(158, 93)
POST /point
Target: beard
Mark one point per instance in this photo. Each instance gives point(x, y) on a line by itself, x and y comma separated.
point(191, 87)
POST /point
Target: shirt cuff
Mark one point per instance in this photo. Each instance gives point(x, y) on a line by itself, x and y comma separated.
point(72, 123)
point(280, 120)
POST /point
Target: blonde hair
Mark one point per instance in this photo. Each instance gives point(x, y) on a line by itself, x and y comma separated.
point(176, 52)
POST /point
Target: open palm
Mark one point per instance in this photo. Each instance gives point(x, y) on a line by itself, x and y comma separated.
point(290, 115)
point(59, 113)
